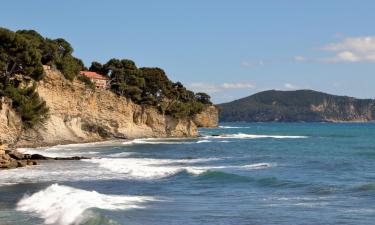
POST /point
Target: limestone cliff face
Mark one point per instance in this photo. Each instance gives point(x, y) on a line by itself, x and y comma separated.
point(10, 123)
point(352, 110)
point(208, 118)
point(79, 114)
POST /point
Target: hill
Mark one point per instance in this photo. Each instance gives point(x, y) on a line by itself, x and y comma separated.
point(297, 106)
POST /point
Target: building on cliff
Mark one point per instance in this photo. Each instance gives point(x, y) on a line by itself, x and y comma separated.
point(99, 80)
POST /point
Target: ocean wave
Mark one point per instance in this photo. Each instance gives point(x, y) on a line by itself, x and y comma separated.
point(231, 127)
point(204, 141)
point(64, 205)
point(147, 168)
point(156, 141)
point(366, 187)
point(275, 182)
point(58, 151)
point(252, 136)
point(212, 175)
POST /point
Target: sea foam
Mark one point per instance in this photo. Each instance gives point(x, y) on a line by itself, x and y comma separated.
point(147, 168)
point(64, 205)
point(252, 136)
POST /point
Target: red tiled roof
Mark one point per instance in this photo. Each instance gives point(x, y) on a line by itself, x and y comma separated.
point(94, 75)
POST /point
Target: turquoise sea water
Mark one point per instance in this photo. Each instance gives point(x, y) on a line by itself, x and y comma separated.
point(271, 173)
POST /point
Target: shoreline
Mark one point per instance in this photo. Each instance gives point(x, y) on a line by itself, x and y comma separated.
point(11, 157)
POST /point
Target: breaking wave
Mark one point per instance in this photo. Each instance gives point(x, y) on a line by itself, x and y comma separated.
point(156, 141)
point(251, 136)
point(64, 205)
point(231, 127)
point(148, 168)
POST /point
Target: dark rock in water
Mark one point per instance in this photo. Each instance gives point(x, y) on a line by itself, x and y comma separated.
point(38, 157)
point(16, 155)
point(12, 159)
point(70, 158)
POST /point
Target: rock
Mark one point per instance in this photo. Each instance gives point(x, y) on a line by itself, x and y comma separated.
point(31, 163)
point(38, 157)
point(21, 163)
point(209, 117)
point(10, 123)
point(6, 162)
point(70, 158)
point(16, 155)
point(78, 115)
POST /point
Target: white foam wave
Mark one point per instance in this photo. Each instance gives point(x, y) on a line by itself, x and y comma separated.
point(64, 205)
point(122, 154)
point(155, 141)
point(230, 127)
point(145, 168)
point(203, 141)
point(252, 136)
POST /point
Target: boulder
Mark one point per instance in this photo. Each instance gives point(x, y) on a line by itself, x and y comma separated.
point(21, 163)
point(16, 155)
point(31, 163)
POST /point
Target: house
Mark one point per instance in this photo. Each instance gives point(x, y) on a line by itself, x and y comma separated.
point(99, 80)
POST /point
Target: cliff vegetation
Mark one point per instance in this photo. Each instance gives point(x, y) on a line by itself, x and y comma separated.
point(24, 53)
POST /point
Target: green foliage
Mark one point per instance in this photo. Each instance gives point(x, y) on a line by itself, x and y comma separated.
point(18, 56)
point(86, 81)
point(203, 98)
point(56, 52)
point(25, 51)
point(27, 103)
point(151, 87)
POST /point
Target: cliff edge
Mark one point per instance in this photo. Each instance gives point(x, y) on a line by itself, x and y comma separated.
point(80, 114)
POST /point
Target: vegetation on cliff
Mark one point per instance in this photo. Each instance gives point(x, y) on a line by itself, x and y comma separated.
point(19, 56)
point(151, 87)
point(23, 54)
point(301, 105)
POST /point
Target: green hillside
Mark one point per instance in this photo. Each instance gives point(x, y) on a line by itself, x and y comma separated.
point(297, 106)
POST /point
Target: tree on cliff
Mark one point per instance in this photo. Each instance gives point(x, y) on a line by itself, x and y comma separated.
point(150, 86)
point(203, 98)
point(18, 56)
point(57, 52)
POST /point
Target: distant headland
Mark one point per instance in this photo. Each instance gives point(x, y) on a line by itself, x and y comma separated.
point(297, 106)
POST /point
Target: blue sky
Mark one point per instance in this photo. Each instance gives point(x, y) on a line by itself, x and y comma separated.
point(230, 49)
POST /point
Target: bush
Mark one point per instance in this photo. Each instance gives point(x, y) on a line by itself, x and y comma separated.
point(27, 103)
point(86, 81)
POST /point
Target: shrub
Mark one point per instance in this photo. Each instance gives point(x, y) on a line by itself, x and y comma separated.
point(86, 81)
point(27, 103)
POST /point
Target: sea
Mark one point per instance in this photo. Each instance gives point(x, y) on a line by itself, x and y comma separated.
point(236, 174)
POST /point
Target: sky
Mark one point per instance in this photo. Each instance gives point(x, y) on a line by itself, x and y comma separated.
point(227, 48)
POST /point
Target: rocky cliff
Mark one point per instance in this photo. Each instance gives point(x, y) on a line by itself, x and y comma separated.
point(298, 106)
point(208, 118)
point(80, 114)
point(10, 123)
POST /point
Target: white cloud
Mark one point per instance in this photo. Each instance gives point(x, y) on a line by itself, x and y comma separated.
point(299, 58)
point(357, 44)
point(357, 49)
point(290, 86)
point(212, 88)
